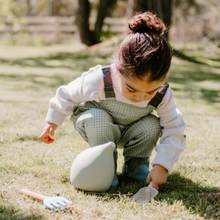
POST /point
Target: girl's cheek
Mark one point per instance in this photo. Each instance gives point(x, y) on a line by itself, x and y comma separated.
point(151, 96)
point(126, 94)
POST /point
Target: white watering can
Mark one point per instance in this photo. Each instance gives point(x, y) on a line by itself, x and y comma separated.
point(93, 169)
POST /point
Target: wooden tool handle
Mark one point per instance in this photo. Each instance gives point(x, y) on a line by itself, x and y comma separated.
point(33, 195)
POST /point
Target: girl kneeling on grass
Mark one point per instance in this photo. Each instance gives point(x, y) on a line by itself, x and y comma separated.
point(116, 103)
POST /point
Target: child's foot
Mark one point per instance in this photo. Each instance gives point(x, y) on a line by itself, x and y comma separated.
point(114, 182)
point(137, 168)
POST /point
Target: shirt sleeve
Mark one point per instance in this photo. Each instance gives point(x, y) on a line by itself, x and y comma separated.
point(172, 141)
point(88, 87)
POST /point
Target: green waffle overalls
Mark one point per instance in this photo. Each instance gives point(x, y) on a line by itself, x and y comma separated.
point(135, 129)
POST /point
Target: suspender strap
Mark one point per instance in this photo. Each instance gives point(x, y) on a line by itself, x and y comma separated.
point(156, 100)
point(109, 91)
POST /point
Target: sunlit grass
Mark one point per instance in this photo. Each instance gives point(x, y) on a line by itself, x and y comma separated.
point(30, 76)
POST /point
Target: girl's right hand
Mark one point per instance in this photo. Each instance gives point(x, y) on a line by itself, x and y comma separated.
point(48, 132)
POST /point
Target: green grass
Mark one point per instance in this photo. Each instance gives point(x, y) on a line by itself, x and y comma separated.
point(29, 77)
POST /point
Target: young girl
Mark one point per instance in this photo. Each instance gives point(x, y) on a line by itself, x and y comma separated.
point(116, 103)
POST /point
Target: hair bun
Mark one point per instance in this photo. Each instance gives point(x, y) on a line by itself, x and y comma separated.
point(146, 22)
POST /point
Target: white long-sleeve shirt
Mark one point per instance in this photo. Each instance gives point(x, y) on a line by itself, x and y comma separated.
point(90, 87)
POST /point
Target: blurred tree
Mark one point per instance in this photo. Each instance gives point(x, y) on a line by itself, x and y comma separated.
point(162, 8)
point(28, 11)
point(88, 36)
point(10, 9)
point(64, 8)
point(50, 7)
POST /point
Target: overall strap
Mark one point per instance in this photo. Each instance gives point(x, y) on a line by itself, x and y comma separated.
point(109, 91)
point(156, 100)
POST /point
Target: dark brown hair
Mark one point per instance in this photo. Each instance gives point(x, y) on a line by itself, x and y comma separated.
point(144, 52)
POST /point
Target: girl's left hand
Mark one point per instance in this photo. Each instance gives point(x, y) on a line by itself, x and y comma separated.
point(158, 176)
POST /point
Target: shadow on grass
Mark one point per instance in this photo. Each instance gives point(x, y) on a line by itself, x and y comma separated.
point(10, 212)
point(182, 56)
point(54, 81)
point(28, 138)
point(194, 59)
point(197, 199)
point(185, 75)
point(76, 62)
point(196, 77)
point(67, 60)
point(41, 61)
point(204, 201)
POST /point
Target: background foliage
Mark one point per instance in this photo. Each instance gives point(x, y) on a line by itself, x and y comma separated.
point(191, 20)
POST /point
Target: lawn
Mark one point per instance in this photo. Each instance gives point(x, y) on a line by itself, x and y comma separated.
point(29, 77)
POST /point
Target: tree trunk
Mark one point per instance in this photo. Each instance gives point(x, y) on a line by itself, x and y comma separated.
point(103, 10)
point(82, 22)
point(162, 8)
point(28, 8)
point(87, 36)
point(50, 7)
point(130, 8)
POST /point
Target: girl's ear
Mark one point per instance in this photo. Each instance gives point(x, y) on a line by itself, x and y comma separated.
point(116, 69)
point(117, 72)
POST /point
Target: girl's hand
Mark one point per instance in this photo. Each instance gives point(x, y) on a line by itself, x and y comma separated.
point(48, 132)
point(158, 176)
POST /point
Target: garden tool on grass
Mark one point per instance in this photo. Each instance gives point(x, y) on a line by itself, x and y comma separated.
point(145, 194)
point(49, 202)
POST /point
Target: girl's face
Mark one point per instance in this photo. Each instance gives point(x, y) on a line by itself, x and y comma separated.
point(137, 90)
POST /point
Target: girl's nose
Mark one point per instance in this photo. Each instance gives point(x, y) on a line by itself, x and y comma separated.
point(139, 97)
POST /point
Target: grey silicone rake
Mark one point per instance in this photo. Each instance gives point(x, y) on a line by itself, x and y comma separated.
point(49, 202)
